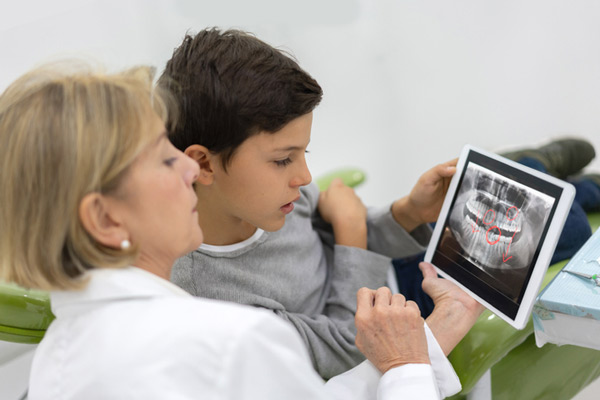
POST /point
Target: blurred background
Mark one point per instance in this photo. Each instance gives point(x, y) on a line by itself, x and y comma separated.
point(407, 83)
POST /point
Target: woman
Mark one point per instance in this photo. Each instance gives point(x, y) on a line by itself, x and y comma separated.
point(96, 206)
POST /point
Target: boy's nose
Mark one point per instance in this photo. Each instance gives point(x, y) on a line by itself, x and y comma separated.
point(303, 176)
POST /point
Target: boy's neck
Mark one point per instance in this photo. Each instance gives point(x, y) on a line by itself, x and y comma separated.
point(221, 230)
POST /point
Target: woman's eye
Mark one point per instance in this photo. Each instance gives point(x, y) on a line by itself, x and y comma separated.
point(283, 163)
point(170, 161)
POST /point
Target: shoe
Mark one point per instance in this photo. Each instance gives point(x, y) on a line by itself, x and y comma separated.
point(561, 158)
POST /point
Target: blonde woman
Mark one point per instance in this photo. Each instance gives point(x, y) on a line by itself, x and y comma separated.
point(96, 205)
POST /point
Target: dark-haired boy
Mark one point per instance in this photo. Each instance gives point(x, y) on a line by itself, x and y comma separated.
point(272, 240)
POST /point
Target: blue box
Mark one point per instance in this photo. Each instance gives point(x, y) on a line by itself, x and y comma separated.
point(567, 311)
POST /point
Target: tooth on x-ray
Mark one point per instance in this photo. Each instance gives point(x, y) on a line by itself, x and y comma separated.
point(496, 222)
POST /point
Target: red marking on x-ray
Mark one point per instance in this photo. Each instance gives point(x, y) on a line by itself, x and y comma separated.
point(475, 224)
point(499, 235)
point(493, 216)
point(513, 218)
point(504, 258)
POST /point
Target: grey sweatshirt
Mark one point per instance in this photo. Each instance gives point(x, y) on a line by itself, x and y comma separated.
point(300, 274)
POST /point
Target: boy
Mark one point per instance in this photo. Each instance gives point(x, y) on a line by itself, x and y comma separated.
point(272, 240)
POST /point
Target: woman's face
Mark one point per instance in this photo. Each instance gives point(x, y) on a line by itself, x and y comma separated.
point(158, 204)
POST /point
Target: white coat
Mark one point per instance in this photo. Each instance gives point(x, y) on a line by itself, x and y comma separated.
point(132, 335)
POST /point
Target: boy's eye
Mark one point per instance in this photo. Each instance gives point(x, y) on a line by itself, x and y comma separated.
point(170, 161)
point(283, 163)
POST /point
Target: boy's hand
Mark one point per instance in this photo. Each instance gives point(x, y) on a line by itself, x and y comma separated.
point(342, 208)
point(455, 311)
point(424, 202)
point(390, 330)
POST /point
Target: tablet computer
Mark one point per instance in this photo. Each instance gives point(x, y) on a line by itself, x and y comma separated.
point(497, 231)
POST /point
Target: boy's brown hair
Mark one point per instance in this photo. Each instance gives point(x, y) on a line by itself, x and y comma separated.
point(230, 86)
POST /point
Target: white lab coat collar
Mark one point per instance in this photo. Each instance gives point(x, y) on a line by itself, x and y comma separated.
point(114, 284)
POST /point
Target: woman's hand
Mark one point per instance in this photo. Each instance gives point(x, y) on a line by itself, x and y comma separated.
point(454, 312)
point(342, 208)
point(390, 330)
point(425, 200)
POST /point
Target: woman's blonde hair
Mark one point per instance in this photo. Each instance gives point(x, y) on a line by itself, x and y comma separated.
point(66, 130)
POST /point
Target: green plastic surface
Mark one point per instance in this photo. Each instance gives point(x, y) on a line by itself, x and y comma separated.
point(550, 372)
point(350, 176)
point(24, 314)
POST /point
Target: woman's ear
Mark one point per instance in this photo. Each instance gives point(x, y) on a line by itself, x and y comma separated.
point(99, 219)
point(205, 160)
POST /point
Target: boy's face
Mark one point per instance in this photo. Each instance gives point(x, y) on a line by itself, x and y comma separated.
point(264, 176)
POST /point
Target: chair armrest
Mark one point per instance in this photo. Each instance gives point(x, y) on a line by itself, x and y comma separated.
point(24, 314)
point(551, 372)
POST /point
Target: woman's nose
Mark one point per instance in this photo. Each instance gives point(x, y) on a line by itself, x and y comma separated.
point(192, 170)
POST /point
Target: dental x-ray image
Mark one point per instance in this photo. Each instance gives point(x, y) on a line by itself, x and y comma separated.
point(496, 225)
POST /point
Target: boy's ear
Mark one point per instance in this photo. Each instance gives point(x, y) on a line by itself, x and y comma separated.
point(205, 160)
point(99, 220)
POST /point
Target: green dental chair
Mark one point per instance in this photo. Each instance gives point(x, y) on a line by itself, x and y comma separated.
point(24, 314)
point(518, 369)
point(24, 318)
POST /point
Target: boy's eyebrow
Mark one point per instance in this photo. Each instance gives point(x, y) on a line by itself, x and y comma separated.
point(289, 148)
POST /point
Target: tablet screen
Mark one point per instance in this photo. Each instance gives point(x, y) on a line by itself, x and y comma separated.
point(494, 229)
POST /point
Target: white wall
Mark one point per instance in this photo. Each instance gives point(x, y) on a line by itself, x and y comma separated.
point(407, 82)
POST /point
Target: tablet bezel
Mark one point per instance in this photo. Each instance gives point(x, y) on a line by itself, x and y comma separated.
point(483, 292)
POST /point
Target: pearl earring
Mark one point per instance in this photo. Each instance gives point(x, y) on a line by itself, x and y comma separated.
point(125, 244)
